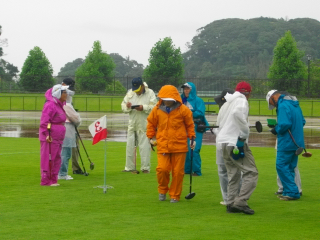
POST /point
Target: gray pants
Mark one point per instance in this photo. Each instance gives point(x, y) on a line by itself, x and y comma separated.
point(245, 165)
point(297, 180)
point(75, 157)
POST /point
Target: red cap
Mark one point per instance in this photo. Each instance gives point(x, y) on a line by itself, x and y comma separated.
point(243, 87)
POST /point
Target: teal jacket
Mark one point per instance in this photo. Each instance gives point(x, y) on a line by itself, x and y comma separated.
point(198, 107)
point(289, 117)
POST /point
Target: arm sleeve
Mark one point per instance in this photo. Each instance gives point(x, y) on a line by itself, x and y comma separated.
point(124, 104)
point(188, 121)
point(152, 102)
point(46, 117)
point(240, 115)
point(152, 123)
point(284, 122)
point(200, 108)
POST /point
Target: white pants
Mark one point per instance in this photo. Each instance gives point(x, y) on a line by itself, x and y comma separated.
point(140, 140)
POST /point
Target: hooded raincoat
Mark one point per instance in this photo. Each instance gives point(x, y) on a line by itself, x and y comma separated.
point(137, 127)
point(52, 113)
point(172, 127)
point(289, 117)
point(196, 105)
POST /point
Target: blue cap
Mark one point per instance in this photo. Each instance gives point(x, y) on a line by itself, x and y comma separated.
point(136, 83)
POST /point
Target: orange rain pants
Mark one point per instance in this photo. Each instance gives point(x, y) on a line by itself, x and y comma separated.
point(171, 162)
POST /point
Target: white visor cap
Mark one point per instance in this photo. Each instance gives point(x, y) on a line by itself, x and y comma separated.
point(168, 99)
point(269, 94)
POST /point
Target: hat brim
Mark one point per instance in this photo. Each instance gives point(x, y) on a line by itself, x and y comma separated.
point(136, 89)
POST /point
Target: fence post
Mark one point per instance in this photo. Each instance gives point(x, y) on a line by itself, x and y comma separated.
point(10, 102)
point(35, 103)
point(23, 103)
point(86, 104)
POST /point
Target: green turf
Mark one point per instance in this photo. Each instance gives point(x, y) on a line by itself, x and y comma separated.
point(131, 210)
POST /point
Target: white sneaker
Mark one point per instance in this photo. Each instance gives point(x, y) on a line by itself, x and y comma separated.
point(55, 185)
point(223, 203)
point(68, 177)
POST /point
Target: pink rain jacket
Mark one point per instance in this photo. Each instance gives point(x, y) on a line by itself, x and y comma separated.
point(52, 112)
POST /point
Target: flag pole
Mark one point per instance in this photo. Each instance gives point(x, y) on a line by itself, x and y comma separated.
point(105, 166)
point(95, 129)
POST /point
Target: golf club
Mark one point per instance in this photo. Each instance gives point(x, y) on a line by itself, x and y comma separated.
point(257, 126)
point(84, 169)
point(91, 163)
point(300, 149)
point(191, 194)
point(50, 159)
point(135, 171)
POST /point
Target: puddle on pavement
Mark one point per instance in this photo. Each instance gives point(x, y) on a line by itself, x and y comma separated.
point(264, 139)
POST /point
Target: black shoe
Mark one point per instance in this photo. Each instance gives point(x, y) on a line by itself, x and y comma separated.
point(278, 193)
point(78, 172)
point(243, 209)
point(229, 210)
point(300, 193)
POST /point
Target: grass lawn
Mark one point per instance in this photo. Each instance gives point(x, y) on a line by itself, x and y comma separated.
point(77, 210)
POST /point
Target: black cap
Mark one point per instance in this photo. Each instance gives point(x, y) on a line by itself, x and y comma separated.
point(220, 98)
point(69, 82)
point(136, 83)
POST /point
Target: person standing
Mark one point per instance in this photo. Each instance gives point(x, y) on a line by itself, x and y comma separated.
point(73, 120)
point(138, 103)
point(222, 170)
point(289, 119)
point(51, 139)
point(233, 136)
point(198, 109)
point(170, 124)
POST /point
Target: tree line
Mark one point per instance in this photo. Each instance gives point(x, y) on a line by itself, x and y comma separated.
point(224, 49)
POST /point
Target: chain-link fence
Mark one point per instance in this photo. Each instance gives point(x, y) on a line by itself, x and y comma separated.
point(206, 87)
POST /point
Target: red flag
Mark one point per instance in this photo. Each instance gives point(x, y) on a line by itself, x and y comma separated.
point(98, 129)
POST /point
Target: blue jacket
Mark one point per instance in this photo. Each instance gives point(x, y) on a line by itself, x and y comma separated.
point(289, 116)
point(197, 104)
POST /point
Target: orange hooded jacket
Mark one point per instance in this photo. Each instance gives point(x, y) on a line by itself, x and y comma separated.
point(171, 129)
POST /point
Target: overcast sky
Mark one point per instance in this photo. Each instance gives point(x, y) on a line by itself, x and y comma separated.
point(66, 29)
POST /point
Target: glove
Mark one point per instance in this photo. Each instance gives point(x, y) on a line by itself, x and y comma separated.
point(240, 142)
point(153, 142)
point(273, 131)
point(193, 145)
point(271, 126)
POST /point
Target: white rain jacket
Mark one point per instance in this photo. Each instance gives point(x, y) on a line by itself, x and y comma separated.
point(73, 119)
point(233, 119)
point(138, 119)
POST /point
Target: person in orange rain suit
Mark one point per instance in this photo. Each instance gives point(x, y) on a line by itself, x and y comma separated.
point(169, 126)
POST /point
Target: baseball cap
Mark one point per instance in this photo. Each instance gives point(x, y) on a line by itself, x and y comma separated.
point(269, 94)
point(243, 87)
point(136, 84)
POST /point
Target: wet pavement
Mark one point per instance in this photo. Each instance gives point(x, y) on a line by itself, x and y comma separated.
point(26, 124)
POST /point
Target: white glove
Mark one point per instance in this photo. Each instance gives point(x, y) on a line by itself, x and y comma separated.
point(192, 146)
point(153, 142)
